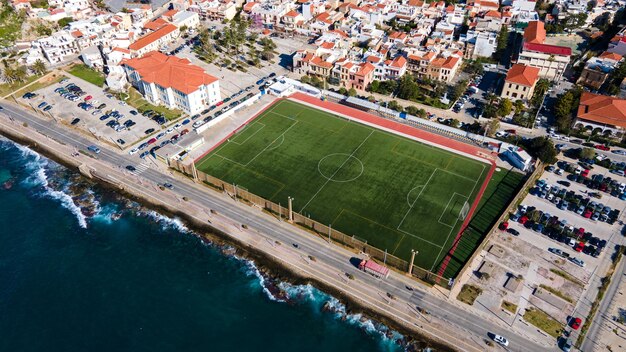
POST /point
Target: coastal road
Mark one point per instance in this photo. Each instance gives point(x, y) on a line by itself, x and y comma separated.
point(453, 313)
point(601, 315)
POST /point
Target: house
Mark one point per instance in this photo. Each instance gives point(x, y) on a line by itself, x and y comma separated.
point(598, 69)
point(441, 66)
point(92, 57)
point(602, 113)
point(173, 82)
point(520, 82)
point(618, 44)
point(153, 41)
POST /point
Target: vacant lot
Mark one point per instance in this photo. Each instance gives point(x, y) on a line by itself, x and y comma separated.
point(88, 74)
point(395, 193)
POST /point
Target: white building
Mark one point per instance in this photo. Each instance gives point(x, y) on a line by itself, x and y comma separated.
point(173, 82)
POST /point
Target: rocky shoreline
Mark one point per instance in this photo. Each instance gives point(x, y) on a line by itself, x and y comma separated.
point(273, 272)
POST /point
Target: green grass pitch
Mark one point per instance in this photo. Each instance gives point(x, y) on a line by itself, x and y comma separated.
point(396, 193)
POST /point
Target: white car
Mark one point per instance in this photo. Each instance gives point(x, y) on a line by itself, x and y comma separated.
point(578, 262)
point(618, 152)
point(502, 134)
point(169, 130)
point(133, 151)
point(501, 340)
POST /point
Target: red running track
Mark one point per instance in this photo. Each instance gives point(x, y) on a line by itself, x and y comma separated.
point(423, 135)
point(395, 126)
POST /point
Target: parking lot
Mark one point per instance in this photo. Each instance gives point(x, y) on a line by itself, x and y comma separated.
point(125, 125)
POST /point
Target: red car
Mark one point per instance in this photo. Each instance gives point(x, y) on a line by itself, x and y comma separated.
point(184, 132)
point(602, 147)
point(511, 131)
point(152, 140)
point(580, 232)
point(585, 173)
point(588, 213)
point(575, 323)
point(523, 219)
point(88, 97)
point(220, 103)
point(579, 247)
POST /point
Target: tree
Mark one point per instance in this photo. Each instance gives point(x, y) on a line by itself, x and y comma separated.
point(15, 74)
point(519, 106)
point(407, 88)
point(564, 107)
point(38, 67)
point(65, 21)
point(505, 107)
point(541, 88)
point(492, 127)
point(543, 149)
point(343, 91)
point(458, 90)
point(503, 41)
point(455, 123)
point(375, 86)
point(587, 153)
point(352, 92)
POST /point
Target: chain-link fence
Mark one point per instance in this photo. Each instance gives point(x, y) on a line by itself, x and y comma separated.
point(324, 231)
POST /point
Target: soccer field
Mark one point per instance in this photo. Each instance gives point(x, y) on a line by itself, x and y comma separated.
point(396, 193)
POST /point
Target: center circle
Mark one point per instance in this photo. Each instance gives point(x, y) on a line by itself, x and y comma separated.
point(340, 167)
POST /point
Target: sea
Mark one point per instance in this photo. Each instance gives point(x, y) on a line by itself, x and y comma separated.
point(84, 269)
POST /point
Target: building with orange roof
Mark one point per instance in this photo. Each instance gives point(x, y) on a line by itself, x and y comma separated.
point(598, 69)
point(520, 82)
point(618, 43)
point(441, 66)
point(154, 40)
point(173, 82)
point(601, 112)
point(535, 33)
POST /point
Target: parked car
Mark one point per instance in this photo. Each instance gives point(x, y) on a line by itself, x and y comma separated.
point(575, 323)
point(75, 121)
point(149, 130)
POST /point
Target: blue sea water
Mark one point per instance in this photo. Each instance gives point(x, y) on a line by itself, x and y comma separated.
point(82, 269)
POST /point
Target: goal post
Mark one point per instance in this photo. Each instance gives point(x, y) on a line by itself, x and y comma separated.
point(464, 211)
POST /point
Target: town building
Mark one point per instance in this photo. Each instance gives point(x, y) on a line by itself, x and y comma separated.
point(602, 113)
point(520, 82)
point(173, 82)
point(550, 59)
point(153, 41)
point(598, 69)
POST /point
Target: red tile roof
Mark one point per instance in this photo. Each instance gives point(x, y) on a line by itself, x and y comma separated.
point(399, 62)
point(602, 109)
point(170, 71)
point(523, 75)
point(156, 24)
point(152, 37)
point(611, 56)
point(548, 49)
point(366, 68)
point(535, 33)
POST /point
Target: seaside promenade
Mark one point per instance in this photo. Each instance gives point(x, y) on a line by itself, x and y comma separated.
point(449, 322)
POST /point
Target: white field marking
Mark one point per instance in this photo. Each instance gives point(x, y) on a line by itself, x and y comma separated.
point(261, 152)
point(282, 140)
point(328, 179)
point(238, 133)
point(418, 196)
point(408, 201)
point(447, 205)
point(341, 181)
point(457, 220)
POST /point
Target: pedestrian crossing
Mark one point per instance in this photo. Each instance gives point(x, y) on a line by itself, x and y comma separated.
point(139, 169)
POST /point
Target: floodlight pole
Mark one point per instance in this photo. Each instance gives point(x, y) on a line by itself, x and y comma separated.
point(413, 253)
point(329, 231)
point(290, 209)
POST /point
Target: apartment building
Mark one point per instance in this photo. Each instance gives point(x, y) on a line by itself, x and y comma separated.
point(154, 40)
point(173, 82)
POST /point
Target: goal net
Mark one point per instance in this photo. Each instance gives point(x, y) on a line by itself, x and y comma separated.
point(464, 211)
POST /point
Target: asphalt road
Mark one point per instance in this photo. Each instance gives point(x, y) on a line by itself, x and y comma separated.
point(591, 337)
point(395, 284)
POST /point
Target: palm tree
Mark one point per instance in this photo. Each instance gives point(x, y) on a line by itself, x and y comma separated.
point(39, 67)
